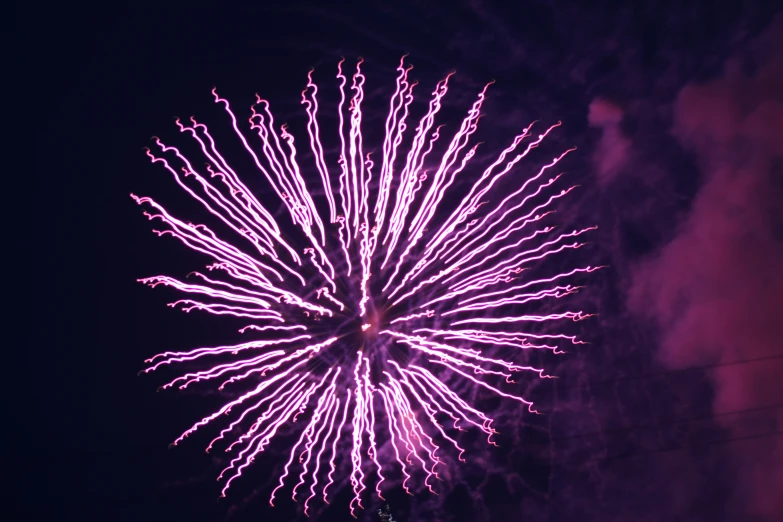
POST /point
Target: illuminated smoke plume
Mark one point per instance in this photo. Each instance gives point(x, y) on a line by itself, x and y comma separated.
point(378, 292)
point(715, 290)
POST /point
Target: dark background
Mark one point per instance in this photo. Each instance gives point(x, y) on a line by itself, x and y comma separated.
point(638, 430)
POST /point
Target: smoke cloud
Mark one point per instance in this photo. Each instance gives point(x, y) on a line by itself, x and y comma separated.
point(612, 150)
point(716, 289)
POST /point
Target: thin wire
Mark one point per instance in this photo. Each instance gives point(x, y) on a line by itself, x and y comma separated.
point(690, 446)
point(667, 422)
point(671, 372)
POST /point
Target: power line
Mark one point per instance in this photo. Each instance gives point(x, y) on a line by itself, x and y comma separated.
point(668, 422)
point(671, 372)
point(690, 446)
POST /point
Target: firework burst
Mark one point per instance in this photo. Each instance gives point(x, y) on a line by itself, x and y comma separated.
point(368, 295)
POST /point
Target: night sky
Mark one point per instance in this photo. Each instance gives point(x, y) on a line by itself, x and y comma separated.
point(673, 412)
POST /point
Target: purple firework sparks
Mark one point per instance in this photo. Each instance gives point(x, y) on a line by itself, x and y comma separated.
point(361, 323)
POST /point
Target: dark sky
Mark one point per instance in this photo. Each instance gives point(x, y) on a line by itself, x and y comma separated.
point(674, 413)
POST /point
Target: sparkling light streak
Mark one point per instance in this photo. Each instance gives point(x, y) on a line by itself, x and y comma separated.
point(384, 285)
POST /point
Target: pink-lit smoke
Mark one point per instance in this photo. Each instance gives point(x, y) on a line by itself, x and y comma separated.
point(612, 150)
point(716, 289)
point(369, 299)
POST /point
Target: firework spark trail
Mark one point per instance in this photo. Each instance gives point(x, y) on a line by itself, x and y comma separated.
point(324, 404)
point(415, 160)
point(395, 127)
point(471, 201)
point(311, 107)
point(333, 408)
point(332, 468)
point(382, 284)
point(428, 409)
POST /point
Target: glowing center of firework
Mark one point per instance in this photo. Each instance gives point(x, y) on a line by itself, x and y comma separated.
point(371, 326)
point(361, 331)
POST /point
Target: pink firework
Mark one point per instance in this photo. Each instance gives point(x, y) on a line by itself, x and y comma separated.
point(370, 300)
